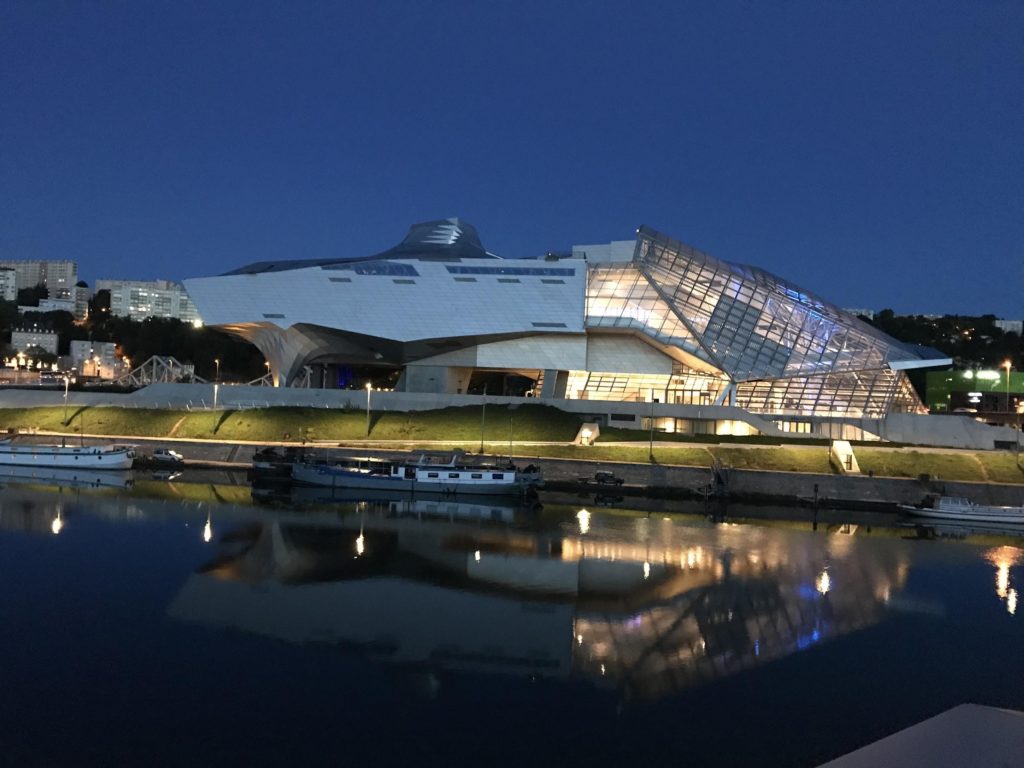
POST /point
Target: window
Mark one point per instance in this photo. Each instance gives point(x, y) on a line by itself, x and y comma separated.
point(431, 474)
point(453, 474)
point(477, 476)
point(403, 281)
point(548, 325)
point(465, 279)
point(553, 282)
point(340, 279)
point(498, 476)
point(272, 316)
point(509, 280)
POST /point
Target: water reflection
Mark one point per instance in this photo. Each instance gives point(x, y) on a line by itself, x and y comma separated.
point(1003, 558)
point(66, 478)
point(646, 606)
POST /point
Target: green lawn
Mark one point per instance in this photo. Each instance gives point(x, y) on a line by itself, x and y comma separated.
point(1003, 467)
point(778, 459)
point(910, 463)
point(528, 423)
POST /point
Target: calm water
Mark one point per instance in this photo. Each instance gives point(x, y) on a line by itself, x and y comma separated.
point(200, 628)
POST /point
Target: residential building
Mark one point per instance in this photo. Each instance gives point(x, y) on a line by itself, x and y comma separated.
point(96, 358)
point(22, 339)
point(8, 284)
point(139, 299)
point(1011, 326)
point(59, 277)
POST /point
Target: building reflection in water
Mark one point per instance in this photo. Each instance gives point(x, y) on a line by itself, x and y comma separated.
point(646, 606)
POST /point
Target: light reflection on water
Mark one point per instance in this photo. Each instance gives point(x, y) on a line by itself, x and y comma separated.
point(644, 607)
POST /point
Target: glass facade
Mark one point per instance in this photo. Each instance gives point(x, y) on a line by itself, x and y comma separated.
point(781, 349)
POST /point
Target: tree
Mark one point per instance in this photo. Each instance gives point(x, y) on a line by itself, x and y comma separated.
point(29, 297)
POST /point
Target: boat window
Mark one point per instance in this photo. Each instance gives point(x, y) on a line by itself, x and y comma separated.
point(431, 474)
point(477, 476)
point(498, 476)
point(453, 474)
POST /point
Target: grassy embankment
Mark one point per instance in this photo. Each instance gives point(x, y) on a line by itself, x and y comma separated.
point(527, 424)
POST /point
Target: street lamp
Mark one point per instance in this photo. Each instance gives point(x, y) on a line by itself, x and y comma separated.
point(67, 381)
point(1007, 365)
point(650, 449)
point(369, 389)
point(216, 361)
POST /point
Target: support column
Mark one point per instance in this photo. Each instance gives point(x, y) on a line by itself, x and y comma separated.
point(555, 384)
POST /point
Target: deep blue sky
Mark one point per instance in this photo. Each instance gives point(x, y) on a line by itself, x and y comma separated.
point(870, 151)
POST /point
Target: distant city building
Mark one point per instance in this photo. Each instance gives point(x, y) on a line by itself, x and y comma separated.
point(8, 284)
point(975, 391)
point(96, 358)
point(59, 277)
point(22, 339)
point(49, 305)
point(80, 296)
point(1011, 326)
point(868, 313)
point(139, 299)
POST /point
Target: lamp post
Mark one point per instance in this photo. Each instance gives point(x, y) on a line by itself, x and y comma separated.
point(650, 449)
point(369, 389)
point(216, 361)
point(1007, 365)
point(483, 416)
point(67, 381)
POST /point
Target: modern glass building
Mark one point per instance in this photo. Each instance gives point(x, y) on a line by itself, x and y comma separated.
point(645, 320)
point(742, 336)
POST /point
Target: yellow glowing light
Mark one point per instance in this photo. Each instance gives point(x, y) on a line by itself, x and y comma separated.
point(476, 555)
point(824, 583)
point(584, 520)
point(207, 531)
point(360, 544)
point(579, 639)
point(1003, 579)
point(197, 323)
point(647, 570)
point(57, 524)
point(1011, 601)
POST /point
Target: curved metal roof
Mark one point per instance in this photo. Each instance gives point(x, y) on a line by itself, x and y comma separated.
point(443, 239)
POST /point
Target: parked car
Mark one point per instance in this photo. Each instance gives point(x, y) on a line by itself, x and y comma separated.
point(602, 477)
point(167, 456)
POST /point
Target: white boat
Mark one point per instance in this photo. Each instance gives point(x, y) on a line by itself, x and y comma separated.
point(965, 511)
point(71, 457)
point(429, 473)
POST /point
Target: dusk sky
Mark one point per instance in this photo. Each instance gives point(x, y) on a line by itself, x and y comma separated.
point(872, 152)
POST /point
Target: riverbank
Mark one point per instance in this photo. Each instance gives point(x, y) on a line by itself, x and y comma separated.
point(643, 478)
point(534, 432)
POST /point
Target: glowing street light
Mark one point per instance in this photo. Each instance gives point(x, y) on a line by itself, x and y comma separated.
point(67, 381)
point(369, 389)
point(57, 525)
point(1007, 365)
point(208, 529)
point(216, 361)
